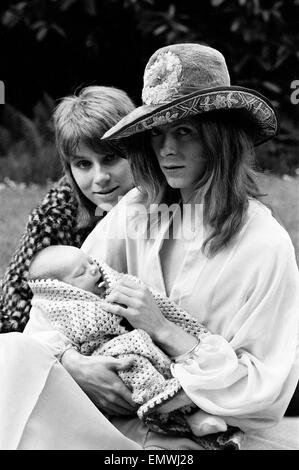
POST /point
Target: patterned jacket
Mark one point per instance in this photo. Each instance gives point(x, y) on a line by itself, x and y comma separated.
point(53, 222)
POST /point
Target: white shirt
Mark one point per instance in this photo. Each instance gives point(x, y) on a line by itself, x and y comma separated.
point(247, 296)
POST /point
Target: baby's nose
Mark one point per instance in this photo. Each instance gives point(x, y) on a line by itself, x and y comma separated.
point(94, 269)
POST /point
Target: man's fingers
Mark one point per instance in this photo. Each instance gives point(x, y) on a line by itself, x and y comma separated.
point(118, 297)
point(123, 364)
point(121, 404)
point(125, 297)
point(115, 309)
point(132, 283)
point(117, 406)
point(123, 394)
point(122, 401)
point(128, 291)
point(127, 397)
point(123, 391)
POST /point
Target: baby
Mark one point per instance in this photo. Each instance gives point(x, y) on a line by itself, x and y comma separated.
point(68, 264)
point(70, 287)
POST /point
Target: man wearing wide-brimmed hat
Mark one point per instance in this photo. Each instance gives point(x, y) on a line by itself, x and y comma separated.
point(192, 143)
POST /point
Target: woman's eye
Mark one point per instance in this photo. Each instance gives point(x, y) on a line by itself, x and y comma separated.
point(83, 164)
point(111, 158)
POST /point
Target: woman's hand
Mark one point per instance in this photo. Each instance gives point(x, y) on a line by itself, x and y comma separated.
point(98, 378)
point(134, 302)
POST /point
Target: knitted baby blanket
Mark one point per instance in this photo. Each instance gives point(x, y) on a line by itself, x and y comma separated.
point(82, 317)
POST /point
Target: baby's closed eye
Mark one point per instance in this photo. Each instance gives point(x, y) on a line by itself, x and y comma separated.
point(80, 272)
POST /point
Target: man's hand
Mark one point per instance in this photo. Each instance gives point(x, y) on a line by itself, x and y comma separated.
point(98, 378)
point(134, 302)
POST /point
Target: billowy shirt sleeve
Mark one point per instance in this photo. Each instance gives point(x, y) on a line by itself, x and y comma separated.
point(247, 374)
point(40, 328)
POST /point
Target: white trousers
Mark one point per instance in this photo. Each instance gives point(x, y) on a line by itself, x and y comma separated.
point(42, 408)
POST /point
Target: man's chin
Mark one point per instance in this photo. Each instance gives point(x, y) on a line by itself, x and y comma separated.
point(176, 183)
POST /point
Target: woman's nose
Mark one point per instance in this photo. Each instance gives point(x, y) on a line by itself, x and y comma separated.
point(101, 175)
point(168, 145)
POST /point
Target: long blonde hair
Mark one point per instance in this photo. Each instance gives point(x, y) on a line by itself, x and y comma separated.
point(229, 179)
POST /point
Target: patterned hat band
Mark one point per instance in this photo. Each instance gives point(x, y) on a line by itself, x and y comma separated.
point(183, 80)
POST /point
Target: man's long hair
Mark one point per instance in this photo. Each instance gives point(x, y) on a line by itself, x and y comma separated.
point(229, 177)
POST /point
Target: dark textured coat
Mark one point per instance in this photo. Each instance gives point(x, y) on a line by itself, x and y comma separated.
point(53, 222)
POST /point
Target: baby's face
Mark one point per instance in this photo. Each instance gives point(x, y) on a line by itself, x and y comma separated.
point(81, 271)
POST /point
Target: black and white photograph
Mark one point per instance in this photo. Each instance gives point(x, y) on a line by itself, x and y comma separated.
point(149, 228)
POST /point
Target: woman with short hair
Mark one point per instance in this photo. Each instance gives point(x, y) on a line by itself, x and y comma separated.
point(73, 206)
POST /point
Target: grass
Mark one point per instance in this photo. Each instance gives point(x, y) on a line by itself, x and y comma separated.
point(283, 198)
point(15, 205)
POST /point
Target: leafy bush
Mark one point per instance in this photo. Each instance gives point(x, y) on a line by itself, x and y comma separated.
point(281, 154)
point(27, 149)
point(259, 38)
point(109, 42)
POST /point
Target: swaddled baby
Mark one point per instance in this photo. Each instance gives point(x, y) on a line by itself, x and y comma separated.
point(70, 287)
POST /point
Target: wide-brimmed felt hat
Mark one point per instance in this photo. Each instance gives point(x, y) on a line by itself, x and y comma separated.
point(183, 80)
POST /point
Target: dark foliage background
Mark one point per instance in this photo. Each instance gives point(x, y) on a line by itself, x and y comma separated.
point(50, 48)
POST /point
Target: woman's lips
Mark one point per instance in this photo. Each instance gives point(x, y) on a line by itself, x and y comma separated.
point(107, 193)
point(172, 169)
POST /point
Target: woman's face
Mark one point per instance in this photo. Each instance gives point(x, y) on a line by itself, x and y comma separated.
point(179, 151)
point(103, 176)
